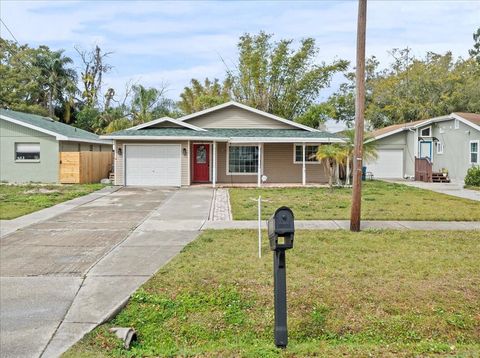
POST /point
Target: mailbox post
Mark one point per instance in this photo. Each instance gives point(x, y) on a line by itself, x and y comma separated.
point(281, 231)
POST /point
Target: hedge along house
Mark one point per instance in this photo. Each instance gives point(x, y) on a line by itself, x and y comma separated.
point(39, 149)
point(426, 149)
point(225, 145)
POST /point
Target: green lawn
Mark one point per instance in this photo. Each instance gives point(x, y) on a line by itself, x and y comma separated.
point(375, 293)
point(18, 200)
point(380, 201)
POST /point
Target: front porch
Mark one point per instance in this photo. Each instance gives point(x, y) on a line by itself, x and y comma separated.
point(246, 164)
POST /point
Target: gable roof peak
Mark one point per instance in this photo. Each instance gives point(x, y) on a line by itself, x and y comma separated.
point(167, 119)
point(250, 109)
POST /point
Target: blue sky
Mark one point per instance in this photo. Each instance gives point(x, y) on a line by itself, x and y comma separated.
point(171, 42)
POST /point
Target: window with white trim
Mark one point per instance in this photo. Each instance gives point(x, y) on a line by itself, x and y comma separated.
point(474, 152)
point(456, 124)
point(439, 148)
point(243, 159)
point(27, 152)
point(310, 153)
point(426, 132)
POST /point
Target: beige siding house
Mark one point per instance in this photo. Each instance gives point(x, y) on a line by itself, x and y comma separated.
point(225, 145)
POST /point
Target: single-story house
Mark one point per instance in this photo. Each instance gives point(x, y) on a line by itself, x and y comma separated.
point(228, 144)
point(32, 149)
point(448, 143)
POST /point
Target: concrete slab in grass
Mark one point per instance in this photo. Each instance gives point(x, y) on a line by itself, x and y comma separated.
point(66, 336)
point(134, 260)
point(100, 295)
point(442, 225)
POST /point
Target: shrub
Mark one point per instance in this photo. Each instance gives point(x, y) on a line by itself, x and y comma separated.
point(473, 176)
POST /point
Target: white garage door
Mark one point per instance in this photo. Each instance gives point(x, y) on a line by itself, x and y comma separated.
point(153, 165)
point(389, 164)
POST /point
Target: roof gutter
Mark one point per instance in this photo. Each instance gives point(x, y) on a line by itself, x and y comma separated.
point(231, 140)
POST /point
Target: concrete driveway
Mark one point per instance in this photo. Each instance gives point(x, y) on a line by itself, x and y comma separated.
point(62, 277)
point(454, 189)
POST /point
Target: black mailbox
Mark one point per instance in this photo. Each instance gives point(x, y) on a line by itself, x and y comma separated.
point(281, 229)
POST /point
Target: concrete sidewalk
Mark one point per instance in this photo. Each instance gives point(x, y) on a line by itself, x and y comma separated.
point(9, 226)
point(345, 224)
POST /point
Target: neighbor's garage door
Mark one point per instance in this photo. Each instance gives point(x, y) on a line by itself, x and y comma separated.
point(389, 164)
point(153, 165)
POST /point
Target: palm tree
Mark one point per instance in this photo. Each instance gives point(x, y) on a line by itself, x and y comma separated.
point(329, 155)
point(144, 100)
point(59, 80)
point(369, 149)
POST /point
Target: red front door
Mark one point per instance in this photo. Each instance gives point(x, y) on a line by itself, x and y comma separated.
point(201, 162)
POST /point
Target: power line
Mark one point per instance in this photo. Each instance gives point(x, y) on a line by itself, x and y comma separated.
point(10, 32)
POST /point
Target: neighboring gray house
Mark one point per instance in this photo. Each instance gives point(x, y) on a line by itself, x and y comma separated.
point(30, 146)
point(451, 143)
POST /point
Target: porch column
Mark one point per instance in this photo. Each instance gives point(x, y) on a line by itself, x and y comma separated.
point(214, 168)
point(304, 169)
point(259, 170)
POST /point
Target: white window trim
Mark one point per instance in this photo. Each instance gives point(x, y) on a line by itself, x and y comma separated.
point(260, 145)
point(426, 136)
point(439, 146)
point(27, 160)
point(295, 156)
point(470, 151)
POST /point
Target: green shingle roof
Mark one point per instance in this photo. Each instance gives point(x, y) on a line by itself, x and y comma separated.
point(224, 133)
point(51, 125)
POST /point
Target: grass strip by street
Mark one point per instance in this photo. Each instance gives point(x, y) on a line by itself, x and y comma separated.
point(18, 200)
point(374, 293)
point(380, 201)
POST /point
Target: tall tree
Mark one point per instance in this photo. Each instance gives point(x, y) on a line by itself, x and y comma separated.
point(94, 67)
point(475, 51)
point(273, 77)
point(412, 88)
point(198, 96)
point(58, 78)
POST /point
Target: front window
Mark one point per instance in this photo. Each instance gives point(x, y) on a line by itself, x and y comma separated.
point(310, 153)
point(474, 152)
point(242, 159)
point(27, 151)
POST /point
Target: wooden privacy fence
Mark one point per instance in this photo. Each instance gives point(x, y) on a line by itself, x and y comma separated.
point(84, 167)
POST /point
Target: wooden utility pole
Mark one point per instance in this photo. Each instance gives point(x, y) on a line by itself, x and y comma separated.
point(359, 117)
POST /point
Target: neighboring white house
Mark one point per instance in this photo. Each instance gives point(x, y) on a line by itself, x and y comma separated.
point(451, 143)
